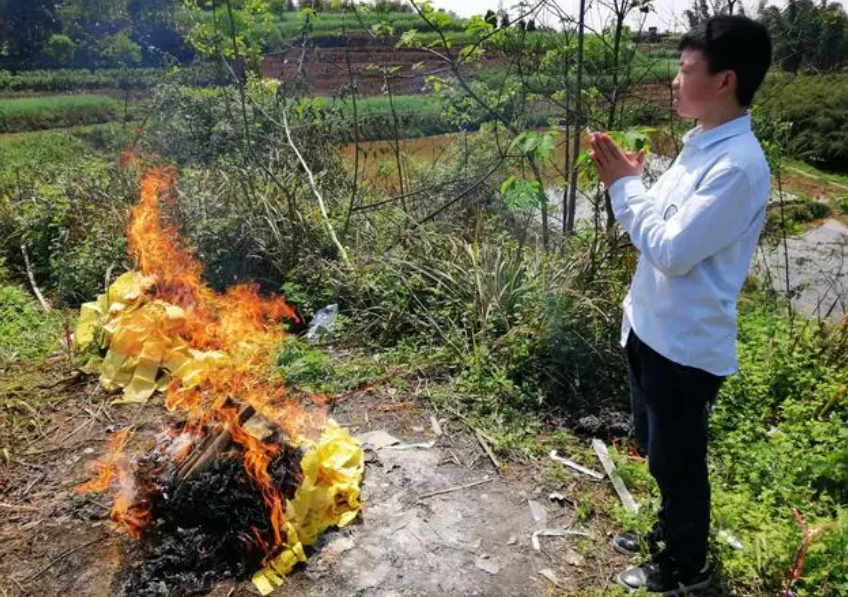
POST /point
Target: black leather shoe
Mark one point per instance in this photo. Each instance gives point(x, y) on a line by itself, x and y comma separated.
point(629, 543)
point(663, 579)
point(626, 543)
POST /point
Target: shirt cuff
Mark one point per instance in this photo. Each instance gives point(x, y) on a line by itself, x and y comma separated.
point(624, 188)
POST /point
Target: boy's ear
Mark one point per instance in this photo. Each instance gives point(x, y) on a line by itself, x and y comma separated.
point(729, 81)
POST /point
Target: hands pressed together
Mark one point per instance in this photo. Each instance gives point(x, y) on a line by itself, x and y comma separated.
point(612, 162)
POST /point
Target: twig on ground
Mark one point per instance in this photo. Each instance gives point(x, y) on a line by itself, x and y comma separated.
point(617, 484)
point(434, 423)
point(573, 465)
point(534, 538)
point(456, 488)
point(23, 590)
point(20, 507)
point(487, 449)
point(37, 479)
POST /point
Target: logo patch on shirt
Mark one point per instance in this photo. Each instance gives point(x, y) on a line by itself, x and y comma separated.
point(669, 212)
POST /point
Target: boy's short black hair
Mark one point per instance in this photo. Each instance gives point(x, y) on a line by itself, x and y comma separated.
point(737, 43)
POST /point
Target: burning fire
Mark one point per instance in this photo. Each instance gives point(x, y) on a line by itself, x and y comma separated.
point(243, 328)
point(127, 511)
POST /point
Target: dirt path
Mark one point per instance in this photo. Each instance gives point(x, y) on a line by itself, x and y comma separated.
point(470, 541)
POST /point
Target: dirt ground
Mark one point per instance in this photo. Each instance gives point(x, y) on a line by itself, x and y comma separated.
point(473, 540)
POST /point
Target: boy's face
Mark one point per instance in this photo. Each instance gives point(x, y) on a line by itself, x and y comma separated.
point(697, 91)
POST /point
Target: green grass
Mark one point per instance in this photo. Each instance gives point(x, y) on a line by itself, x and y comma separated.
point(403, 104)
point(26, 332)
point(39, 156)
point(417, 116)
point(44, 112)
point(834, 177)
point(310, 369)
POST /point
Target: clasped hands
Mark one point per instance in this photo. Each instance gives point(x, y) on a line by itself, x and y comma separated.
point(611, 161)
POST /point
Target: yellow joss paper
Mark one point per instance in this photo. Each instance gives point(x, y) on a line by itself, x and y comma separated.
point(327, 497)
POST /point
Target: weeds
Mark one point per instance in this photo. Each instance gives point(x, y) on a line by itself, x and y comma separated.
point(26, 332)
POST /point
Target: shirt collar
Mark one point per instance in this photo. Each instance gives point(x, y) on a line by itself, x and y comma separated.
point(703, 139)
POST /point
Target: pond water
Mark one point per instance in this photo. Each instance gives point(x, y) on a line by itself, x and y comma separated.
point(378, 163)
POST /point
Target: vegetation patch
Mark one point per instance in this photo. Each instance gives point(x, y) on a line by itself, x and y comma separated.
point(26, 332)
point(44, 112)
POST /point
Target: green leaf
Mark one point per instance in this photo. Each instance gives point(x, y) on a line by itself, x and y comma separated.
point(535, 144)
point(519, 193)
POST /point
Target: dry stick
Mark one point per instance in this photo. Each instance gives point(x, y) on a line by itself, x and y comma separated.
point(32, 283)
point(487, 449)
point(480, 435)
point(573, 465)
point(617, 484)
point(452, 489)
point(316, 192)
point(17, 582)
point(208, 451)
point(21, 507)
point(59, 558)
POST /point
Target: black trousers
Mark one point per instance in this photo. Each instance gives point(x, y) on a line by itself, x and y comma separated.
point(670, 404)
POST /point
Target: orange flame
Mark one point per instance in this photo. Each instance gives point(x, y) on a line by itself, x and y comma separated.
point(114, 469)
point(241, 323)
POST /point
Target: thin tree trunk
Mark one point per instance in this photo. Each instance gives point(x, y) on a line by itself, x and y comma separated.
point(578, 111)
point(611, 120)
point(567, 160)
point(396, 127)
point(785, 248)
point(356, 141)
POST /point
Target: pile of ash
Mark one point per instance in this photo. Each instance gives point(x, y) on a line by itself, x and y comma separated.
point(206, 529)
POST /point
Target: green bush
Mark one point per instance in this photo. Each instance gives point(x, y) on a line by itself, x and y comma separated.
point(794, 216)
point(63, 202)
point(817, 107)
point(43, 155)
point(519, 331)
point(109, 137)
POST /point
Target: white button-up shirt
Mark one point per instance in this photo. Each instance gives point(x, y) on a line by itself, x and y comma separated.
point(696, 230)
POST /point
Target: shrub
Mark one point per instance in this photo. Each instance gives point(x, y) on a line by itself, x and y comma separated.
point(519, 331)
point(817, 107)
point(63, 203)
point(60, 48)
point(794, 215)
